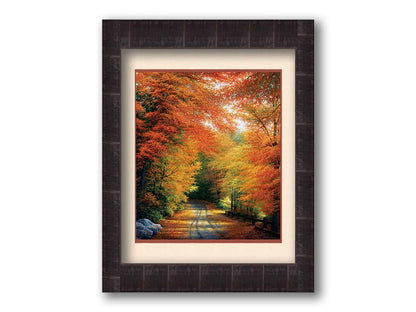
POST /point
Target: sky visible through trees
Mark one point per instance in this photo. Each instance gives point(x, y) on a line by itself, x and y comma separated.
point(211, 136)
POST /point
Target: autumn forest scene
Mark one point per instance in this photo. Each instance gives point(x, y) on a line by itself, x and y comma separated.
point(208, 155)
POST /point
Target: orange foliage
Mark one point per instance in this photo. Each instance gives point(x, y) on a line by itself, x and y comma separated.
point(179, 114)
point(174, 104)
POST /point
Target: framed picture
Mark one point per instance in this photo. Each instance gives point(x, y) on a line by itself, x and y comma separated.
point(208, 156)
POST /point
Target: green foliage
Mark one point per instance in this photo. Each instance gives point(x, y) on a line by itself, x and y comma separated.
point(180, 206)
point(148, 213)
point(167, 210)
point(258, 214)
point(224, 203)
point(171, 204)
point(204, 182)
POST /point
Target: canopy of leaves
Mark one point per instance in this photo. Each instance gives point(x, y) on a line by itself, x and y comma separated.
point(188, 142)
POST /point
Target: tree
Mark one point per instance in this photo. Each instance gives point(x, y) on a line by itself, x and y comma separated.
point(256, 96)
point(173, 110)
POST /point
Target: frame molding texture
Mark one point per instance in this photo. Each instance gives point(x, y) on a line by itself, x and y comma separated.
point(247, 34)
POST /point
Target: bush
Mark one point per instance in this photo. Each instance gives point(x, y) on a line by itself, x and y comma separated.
point(167, 210)
point(147, 213)
point(224, 203)
point(220, 205)
point(180, 206)
point(258, 214)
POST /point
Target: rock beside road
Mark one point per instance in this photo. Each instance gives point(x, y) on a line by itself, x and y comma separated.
point(145, 228)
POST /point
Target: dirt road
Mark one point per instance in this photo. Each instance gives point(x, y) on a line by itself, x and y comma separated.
point(202, 227)
point(203, 220)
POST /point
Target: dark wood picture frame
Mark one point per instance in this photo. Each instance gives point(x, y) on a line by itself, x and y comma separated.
point(212, 34)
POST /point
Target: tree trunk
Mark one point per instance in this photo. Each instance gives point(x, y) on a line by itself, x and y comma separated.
point(232, 201)
point(143, 178)
point(275, 123)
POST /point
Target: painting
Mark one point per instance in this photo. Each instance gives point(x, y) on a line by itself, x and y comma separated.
point(208, 156)
point(208, 150)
